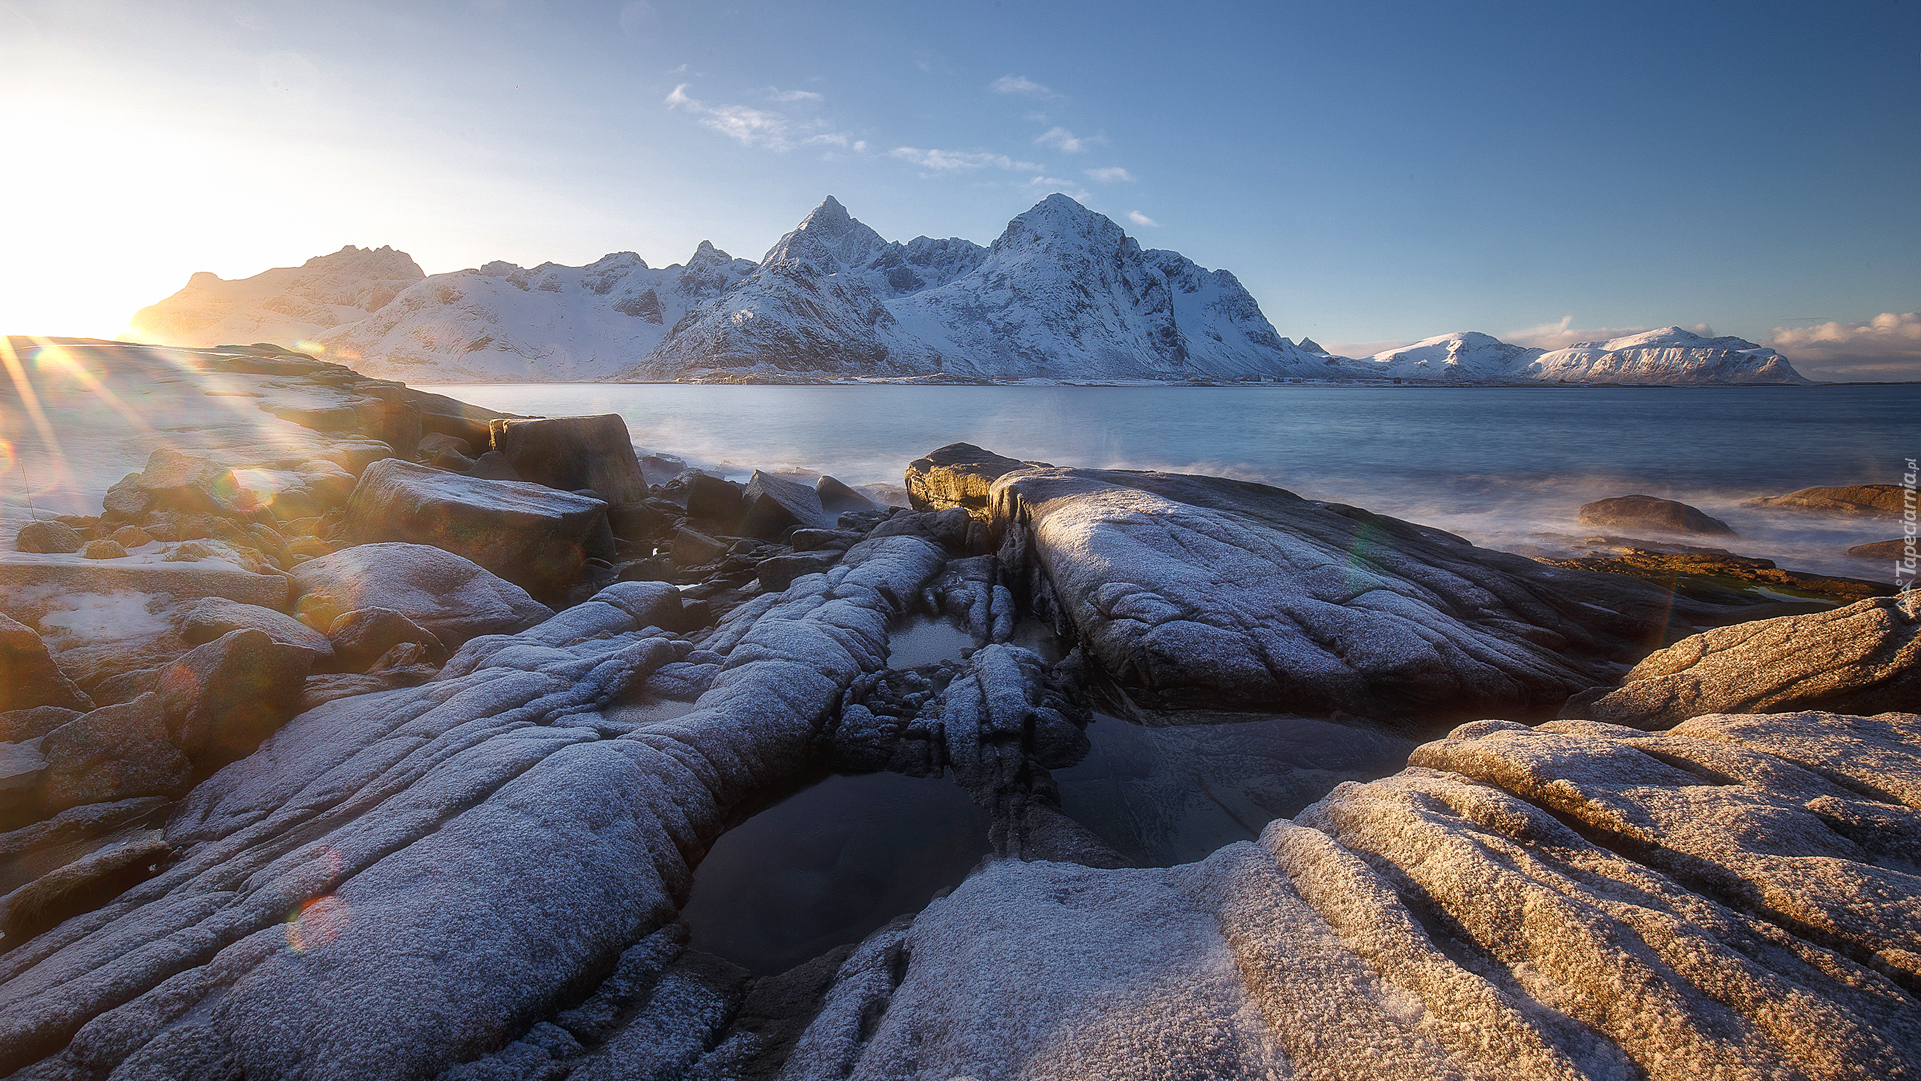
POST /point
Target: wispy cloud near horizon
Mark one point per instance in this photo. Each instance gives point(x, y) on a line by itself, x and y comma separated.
point(956, 160)
point(763, 128)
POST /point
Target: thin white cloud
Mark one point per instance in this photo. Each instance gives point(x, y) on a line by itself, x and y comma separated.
point(755, 127)
point(1139, 218)
point(1065, 141)
point(635, 15)
point(951, 160)
point(1055, 184)
point(1020, 84)
point(1563, 334)
point(1887, 346)
point(775, 93)
point(1109, 175)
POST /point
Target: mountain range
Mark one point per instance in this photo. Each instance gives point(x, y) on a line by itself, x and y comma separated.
point(1063, 294)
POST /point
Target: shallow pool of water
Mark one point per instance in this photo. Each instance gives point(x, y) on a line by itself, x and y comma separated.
point(1167, 795)
point(916, 640)
point(832, 864)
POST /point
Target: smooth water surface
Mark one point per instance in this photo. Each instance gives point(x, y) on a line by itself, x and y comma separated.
point(1497, 464)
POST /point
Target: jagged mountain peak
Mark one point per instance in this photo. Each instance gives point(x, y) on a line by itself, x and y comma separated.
point(1058, 220)
point(830, 238)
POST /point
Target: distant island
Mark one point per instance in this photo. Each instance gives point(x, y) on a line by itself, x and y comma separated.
point(1064, 294)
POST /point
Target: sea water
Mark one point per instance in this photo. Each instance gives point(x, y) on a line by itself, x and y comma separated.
point(1503, 466)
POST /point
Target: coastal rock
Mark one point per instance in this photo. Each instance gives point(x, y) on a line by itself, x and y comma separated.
point(534, 536)
point(223, 698)
point(775, 506)
point(837, 498)
point(461, 859)
point(1898, 548)
point(958, 475)
point(1201, 592)
point(1872, 500)
point(493, 465)
point(571, 453)
point(112, 753)
point(449, 595)
point(710, 497)
point(48, 538)
point(1865, 658)
point(779, 572)
point(1717, 577)
point(29, 678)
point(103, 549)
point(1650, 512)
point(363, 636)
point(1449, 922)
point(217, 616)
point(20, 725)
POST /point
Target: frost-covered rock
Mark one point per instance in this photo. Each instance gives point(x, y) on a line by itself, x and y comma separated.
point(1864, 658)
point(534, 536)
point(1201, 592)
point(216, 616)
point(1733, 898)
point(448, 594)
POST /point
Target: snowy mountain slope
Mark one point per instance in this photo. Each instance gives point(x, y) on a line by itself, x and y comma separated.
point(284, 305)
point(1062, 294)
point(1464, 356)
point(1669, 355)
point(504, 323)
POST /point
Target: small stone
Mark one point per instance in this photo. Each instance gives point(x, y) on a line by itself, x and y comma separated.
point(103, 549)
point(48, 538)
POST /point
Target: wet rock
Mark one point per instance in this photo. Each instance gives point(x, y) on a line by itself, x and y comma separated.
point(113, 753)
point(531, 535)
point(837, 498)
point(1201, 592)
point(958, 475)
point(779, 572)
point(450, 595)
point(1898, 548)
point(1650, 512)
point(28, 675)
point(361, 637)
point(1719, 577)
point(1865, 658)
point(776, 506)
point(223, 698)
point(216, 616)
point(661, 468)
point(53, 538)
point(574, 452)
point(1853, 500)
point(103, 549)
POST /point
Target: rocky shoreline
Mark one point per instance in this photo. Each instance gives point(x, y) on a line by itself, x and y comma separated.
point(391, 739)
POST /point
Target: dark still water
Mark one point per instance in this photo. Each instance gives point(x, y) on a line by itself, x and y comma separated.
point(1499, 465)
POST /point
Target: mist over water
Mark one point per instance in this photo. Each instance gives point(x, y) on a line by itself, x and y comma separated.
point(1505, 467)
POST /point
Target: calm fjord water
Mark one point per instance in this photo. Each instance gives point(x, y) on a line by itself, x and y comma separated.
point(1497, 464)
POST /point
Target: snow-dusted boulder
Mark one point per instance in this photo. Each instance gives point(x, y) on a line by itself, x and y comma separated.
point(1863, 658)
point(534, 536)
point(448, 594)
point(1201, 592)
point(217, 616)
point(571, 453)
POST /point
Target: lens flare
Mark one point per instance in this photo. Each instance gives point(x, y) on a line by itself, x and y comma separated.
point(316, 923)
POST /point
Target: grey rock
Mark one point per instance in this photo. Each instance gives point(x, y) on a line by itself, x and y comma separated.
point(776, 506)
point(217, 616)
point(1651, 512)
point(692, 548)
point(711, 497)
point(44, 537)
point(574, 452)
point(361, 637)
point(836, 498)
point(494, 465)
point(439, 442)
point(450, 595)
point(113, 753)
point(29, 677)
point(24, 724)
point(1864, 658)
point(778, 572)
point(534, 536)
point(223, 698)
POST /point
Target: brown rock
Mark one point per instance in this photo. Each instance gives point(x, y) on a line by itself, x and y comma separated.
point(222, 698)
point(48, 538)
point(113, 753)
point(571, 453)
point(1650, 512)
point(361, 637)
point(131, 536)
point(1862, 659)
point(1898, 548)
point(1875, 500)
point(103, 549)
point(958, 475)
point(28, 675)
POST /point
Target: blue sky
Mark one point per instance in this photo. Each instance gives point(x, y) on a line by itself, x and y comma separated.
point(1373, 172)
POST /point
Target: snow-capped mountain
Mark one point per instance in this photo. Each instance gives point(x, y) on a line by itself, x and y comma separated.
point(1062, 294)
point(1668, 355)
point(284, 305)
point(504, 323)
